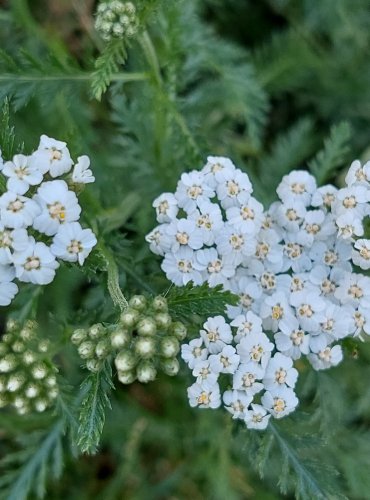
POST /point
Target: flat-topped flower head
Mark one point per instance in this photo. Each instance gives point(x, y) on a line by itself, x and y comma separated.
point(217, 169)
point(184, 233)
point(217, 269)
point(36, 264)
point(234, 189)
point(225, 361)
point(248, 378)
point(280, 373)
point(361, 253)
point(204, 395)
point(326, 358)
point(256, 348)
point(166, 207)
point(72, 243)
point(21, 174)
point(237, 403)
point(17, 211)
point(246, 324)
point(11, 240)
point(159, 241)
point(299, 185)
point(257, 417)
point(192, 190)
point(216, 334)
point(58, 206)
point(280, 402)
point(82, 174)
point(181, 267)
point(194, 352)
point(52, 156)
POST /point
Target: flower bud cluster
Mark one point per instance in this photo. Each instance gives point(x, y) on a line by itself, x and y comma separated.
point(116, 19)
point(291, 265)
point(27, 376)
point(148, 340)
point(144, 341)
point(39, 216)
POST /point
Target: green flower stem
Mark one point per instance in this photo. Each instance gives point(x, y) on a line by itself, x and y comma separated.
point(113, 278)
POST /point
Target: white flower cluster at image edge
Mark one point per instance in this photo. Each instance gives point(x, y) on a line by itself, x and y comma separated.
point(291, 265)
point(38, 206)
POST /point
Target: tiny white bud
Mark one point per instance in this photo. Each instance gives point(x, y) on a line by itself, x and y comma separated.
point(146, 326)
point(125, 360)
point(145, 347)
point(169, 347)
point(39, 371)
point(126, 377)
point(146, 372)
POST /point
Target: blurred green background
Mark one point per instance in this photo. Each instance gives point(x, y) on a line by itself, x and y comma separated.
point(269, 84)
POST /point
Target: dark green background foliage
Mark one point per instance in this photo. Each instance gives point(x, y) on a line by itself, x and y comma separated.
point(275, 85)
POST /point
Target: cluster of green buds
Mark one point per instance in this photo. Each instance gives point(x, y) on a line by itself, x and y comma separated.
point(93, 345)
point(116, 19)
point(148, 340)
point(27, 375)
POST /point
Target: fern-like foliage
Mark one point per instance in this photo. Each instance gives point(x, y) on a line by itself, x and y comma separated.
point(201, 300)
point(113, 56)
point(40, 458)
point(294, 460)
point(25, 75)
point(334, 153)
point(96, 389)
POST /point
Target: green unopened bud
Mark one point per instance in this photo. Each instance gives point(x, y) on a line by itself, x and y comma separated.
point(39, 371)
point(28, 358)
point(159, 304)
point(8, 338)
point(138, 302)
point(78, 336)
point(8, 363)
point(51, 381)
point(163, 320)
point(15, 381)
point(120, 337)
point(40, 405)
point(12, 325)
point(129, 317)
point(27, 333)
point(102, 348)
point(86, 350)
point(178, 329)
point(20, 403)
point(43, 346)
point(145, 347)
point(18, 346)
point(127, 377)
point(169, 347)
point(125, 360)
point(94, 365)
point(96, 331)
point(146, 372)
point(53, 393)
point(170, 366)
point(31, 391)
point(146, 326)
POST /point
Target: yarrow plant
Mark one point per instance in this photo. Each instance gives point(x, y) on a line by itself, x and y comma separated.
point(295, 267)
point(39, 215)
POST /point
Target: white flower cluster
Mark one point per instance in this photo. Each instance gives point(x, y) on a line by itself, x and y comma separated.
point(39, 208)
point(116, 19)
point(292, 267)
